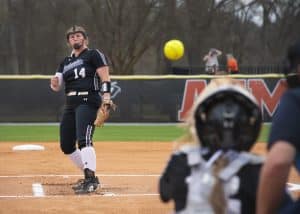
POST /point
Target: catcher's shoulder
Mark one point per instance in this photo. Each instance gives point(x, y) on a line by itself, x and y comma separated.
point(185, 151)
point(186, 148)
point(191, 154)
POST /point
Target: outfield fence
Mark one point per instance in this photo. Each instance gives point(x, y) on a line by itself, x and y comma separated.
point(139, 98)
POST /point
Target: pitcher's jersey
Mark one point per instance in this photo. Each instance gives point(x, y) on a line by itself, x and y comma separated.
point(79, 73)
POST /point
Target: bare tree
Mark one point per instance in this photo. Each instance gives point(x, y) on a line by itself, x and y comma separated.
point(132, 33)
point(12, 35)
point(125, 29)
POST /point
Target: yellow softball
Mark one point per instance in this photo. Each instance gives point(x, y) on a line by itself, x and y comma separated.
point(174, 49)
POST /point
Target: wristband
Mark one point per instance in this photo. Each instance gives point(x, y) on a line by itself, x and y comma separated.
point(105, 87)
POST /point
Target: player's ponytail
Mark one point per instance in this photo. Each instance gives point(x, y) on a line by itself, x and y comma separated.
point(217, 198)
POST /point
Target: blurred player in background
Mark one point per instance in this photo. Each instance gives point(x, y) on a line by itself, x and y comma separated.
point(211, 61)
point(216, 174)
point(84, 73)
point(232, 64)
point(284, 143)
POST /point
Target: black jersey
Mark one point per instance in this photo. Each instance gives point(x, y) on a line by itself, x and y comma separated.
point(79, 73)
point(285, 123)
point(285, 127)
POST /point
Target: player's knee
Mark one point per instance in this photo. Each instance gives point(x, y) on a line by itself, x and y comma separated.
point(66, 149)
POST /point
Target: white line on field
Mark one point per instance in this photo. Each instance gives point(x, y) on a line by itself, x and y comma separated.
point(66, 176)
point(97, 195)
point(38, 190)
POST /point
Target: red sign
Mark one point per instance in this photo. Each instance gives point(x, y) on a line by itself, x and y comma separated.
point(267, 99)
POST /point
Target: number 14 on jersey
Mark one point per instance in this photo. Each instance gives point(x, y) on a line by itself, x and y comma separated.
point(81, 73)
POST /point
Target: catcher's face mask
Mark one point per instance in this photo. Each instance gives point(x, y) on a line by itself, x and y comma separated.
point(228, 118)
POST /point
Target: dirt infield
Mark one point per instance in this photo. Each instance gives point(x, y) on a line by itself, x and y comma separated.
point(128, 173)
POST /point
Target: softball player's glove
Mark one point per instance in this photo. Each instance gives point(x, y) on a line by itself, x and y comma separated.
point(103, 112)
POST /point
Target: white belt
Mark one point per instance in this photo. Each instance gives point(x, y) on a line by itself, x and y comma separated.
point(77, 93)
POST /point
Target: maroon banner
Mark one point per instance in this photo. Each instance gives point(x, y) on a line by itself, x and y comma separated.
point(267, 98)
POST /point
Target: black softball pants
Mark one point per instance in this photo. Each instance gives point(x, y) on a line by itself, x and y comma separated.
point(77, 125)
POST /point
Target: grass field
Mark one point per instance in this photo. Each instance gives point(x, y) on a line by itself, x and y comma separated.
point(45, 133)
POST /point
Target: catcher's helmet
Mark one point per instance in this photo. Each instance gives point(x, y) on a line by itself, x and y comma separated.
point(227, 116)
point(76, 29)
point(292, 66)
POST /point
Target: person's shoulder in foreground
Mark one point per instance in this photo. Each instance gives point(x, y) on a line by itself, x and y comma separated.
point(283, 144)
point(286, 119)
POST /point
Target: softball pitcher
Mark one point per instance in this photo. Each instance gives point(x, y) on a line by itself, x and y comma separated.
point(84, 73)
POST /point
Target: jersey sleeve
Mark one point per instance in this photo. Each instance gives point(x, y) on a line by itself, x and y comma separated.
point(285, 123)
point(99, 59)
point(60, 68)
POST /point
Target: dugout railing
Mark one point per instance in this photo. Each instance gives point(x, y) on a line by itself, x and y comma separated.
point(243, 69)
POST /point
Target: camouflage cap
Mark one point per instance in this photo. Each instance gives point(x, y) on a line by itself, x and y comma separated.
point(76, 29)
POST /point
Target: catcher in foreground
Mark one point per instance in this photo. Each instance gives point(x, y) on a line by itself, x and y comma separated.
point(216, 173)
